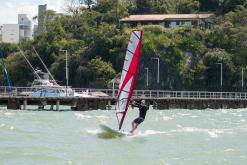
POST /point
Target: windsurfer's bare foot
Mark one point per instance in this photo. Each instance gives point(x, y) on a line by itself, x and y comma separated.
point(132, 132)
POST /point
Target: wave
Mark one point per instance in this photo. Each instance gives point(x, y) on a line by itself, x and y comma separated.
point(9, 114)
point(166, 118)
point(213, 133)
point(147, 133)
point(102, 117)
point(184, 114)
point(82, 116)
point(93, 131)
point(229, 150)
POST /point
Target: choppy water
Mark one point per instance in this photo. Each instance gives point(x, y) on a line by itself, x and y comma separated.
point(168, 137)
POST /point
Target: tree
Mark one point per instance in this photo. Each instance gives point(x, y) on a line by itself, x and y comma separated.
point(98, 72)
point(188, 6)
point(8, 48)
point(230, 5)
point(231, 35)
point(50, 15)
point(143, 6)
point(19, 71)
point(73, 7)
point(209, 5)
point(88, 3)
point(111, 10)
point(97, 46)
point(55, 30)
point(213, 71)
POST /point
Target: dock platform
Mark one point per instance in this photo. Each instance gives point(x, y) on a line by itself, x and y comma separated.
point(18, 99)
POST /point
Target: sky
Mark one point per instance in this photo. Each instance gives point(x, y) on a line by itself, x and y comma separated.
point(9, 9)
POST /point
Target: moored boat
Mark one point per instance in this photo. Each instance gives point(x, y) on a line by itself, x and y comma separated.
point(44, 87)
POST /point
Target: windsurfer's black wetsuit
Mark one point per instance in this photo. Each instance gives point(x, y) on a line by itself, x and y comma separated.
point(142, 113)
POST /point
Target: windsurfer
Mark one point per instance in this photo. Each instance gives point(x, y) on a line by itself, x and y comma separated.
point(142, 114)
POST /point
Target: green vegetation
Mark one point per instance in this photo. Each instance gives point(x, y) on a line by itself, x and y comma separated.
point(96, 45)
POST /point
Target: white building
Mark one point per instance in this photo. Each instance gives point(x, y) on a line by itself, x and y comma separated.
point(1, 27)
point(25, 26)
point(13, 33)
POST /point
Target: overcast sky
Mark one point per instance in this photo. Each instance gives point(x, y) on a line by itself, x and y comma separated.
point(9, 9)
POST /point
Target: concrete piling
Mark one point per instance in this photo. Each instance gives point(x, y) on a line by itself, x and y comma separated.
point(24, 104)
point(13, 103)
point(57, 105)
point(108, 106)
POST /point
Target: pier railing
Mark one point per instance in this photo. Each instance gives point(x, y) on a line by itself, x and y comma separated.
point(148, 94)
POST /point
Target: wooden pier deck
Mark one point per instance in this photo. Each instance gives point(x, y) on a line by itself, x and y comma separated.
point(18, 98)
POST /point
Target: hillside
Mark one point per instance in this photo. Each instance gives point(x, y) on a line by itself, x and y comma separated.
point(96, 44)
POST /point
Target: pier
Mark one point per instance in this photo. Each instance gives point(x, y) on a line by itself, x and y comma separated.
point(18, 98)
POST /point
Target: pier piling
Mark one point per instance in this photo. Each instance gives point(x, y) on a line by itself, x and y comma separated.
point(13, 103)
point(24, 104)
point(57, 105)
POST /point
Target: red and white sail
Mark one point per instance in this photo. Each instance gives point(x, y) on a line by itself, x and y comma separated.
point(128, 75)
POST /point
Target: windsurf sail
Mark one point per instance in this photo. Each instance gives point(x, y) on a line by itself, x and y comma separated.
point(128, 76)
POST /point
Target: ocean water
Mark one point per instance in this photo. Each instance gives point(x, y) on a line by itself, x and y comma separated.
point(167, 137)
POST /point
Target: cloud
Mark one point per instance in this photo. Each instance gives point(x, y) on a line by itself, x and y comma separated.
point(9, 4)
point(27, 8)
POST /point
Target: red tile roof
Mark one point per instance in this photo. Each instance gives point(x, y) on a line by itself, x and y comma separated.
point(160, 17)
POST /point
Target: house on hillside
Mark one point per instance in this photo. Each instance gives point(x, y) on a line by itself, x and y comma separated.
point(204, 20)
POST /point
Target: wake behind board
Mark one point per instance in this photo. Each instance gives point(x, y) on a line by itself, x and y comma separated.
point(109, 133)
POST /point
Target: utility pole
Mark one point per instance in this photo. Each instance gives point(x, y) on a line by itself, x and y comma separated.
point(113, 88)
point(221, 76)
point(242, 79)
point(66, 70)
point(158, 68)
point(147, 69)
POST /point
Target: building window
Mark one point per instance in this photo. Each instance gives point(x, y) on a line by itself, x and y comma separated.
point(173, 24)
point(187, 23)
point(167, 24)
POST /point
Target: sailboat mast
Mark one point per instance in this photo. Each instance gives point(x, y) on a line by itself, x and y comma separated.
point(22, 53)
point(44, 65)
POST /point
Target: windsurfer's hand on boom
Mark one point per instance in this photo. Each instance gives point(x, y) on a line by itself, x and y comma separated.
point(135, 104)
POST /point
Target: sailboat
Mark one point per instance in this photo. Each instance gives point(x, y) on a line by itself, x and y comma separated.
point(128, 76)
point(43, 86)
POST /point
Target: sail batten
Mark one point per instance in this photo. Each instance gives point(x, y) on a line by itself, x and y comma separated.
point(128, 76)
point(130, 52)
